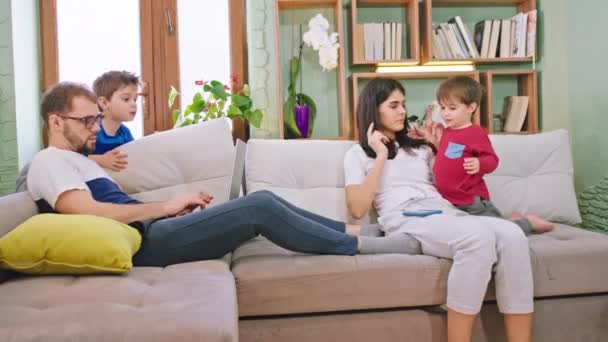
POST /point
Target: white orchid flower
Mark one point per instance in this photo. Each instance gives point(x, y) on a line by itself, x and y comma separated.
point(327, 44)
point(328, 56)
point(333, 38)
point(318, 21)
point(315, 37)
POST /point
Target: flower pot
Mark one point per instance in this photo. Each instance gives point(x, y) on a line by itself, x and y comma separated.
point(302, 113)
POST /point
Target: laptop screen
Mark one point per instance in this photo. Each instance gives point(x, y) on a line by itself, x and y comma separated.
point(238, 169)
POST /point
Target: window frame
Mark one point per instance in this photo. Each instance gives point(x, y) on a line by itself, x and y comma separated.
point(160, 57)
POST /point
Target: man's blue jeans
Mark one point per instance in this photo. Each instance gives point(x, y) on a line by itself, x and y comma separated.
point(211, 233)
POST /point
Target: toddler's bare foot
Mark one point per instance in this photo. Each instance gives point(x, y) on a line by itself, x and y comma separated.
point(516, 216)
point(539, 225)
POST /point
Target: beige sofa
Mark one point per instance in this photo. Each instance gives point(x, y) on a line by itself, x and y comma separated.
point(286, 296)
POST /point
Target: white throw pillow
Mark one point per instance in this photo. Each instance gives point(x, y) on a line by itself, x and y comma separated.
point(535, 175)
point(195, 157)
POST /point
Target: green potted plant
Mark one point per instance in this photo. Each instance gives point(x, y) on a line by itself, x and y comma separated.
point(299, 109)
point(216, 100)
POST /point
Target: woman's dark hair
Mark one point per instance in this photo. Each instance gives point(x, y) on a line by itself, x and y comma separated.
point(370, 99)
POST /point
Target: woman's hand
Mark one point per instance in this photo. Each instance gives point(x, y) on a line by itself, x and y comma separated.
point(376, 140)
point(430, 131)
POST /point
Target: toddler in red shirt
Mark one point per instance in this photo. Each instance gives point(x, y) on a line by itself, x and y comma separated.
point(465, 154)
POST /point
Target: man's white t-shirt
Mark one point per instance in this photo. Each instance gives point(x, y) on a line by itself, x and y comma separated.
point(404, 178)
point(54, 171)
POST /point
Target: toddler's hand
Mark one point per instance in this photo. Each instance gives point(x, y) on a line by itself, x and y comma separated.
point(471, 165)
point(113, 160)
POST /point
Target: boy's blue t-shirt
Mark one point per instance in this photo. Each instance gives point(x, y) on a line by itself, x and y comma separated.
point(107, 142)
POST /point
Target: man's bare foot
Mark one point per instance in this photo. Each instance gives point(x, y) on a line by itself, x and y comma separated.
point(539, 225)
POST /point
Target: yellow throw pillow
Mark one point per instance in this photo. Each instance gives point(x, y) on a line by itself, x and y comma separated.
point(69, 244)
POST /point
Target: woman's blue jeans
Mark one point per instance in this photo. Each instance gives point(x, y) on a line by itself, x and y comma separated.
point(211, 233)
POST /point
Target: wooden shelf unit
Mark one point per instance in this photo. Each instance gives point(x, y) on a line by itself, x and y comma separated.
point(427, 23)
point(527, 85)
point(337, 7)
point(411, 27)
point(356, 77)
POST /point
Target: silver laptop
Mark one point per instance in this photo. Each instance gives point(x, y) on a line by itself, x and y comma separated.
point(238, 170)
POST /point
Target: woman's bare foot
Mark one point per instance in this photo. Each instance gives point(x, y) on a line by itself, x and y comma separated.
point(538, 224)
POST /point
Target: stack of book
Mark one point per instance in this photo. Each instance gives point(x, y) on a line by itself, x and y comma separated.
point(380, 41)
point(503, 38)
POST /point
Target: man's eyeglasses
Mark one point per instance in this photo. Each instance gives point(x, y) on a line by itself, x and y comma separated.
point(87, 121)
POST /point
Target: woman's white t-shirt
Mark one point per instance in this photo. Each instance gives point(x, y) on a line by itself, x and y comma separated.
point(405, 178)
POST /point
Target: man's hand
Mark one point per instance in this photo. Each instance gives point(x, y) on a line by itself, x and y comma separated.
point(376, 140)
point(186, 203)
point(471, 165)
point(113, 160)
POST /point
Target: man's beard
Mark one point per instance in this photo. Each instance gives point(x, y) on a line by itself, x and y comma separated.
point(80, 146)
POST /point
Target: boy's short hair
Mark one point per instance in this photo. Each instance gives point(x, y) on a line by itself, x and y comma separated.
point(59, 98)
point(106, 84)
point(463, 88)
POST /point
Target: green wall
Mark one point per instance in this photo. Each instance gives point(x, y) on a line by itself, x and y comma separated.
point(8, 124)
point(587, 78)
point(20, 136)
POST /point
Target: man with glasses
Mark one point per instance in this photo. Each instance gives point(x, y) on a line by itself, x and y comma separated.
point(62, 179)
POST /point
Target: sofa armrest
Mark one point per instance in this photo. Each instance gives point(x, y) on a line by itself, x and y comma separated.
point(14, 209)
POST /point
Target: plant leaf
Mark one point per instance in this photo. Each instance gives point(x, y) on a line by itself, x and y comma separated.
point(197, 106)
point(175, 115)
point(172, 95)
point(234, 110)
point(294, 69)
point(241, 101)
point(289, 120)
point(256, 118)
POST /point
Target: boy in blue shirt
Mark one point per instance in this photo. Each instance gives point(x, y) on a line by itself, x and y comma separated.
point(117, 100)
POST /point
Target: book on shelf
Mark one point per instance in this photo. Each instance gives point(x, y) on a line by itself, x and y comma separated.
point(379, 41)
point(483, 31)
point(531, 34)
point(360, 52)
point(515, 109)
point(465, 36)
point(399, 44)
point(505, 38)
point(451, 40)
point(388, 42)
point(368, 39)
point(518, 34)
point(494, 38)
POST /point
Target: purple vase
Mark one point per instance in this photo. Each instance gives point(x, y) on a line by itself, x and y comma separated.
point(302, 119)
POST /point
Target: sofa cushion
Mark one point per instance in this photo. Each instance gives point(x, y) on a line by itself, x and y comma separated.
point(310, 173)
point(273, 281)
point(69, 244)
point(186, 302)
point(569, 260)
point(14, 210)
point(191, 158)
point(535, 175)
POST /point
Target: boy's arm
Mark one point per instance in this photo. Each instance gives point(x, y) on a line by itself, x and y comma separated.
point(488, 160)
point(113, 160)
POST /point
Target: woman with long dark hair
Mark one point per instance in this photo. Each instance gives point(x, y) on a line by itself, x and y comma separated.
point(393, 172)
